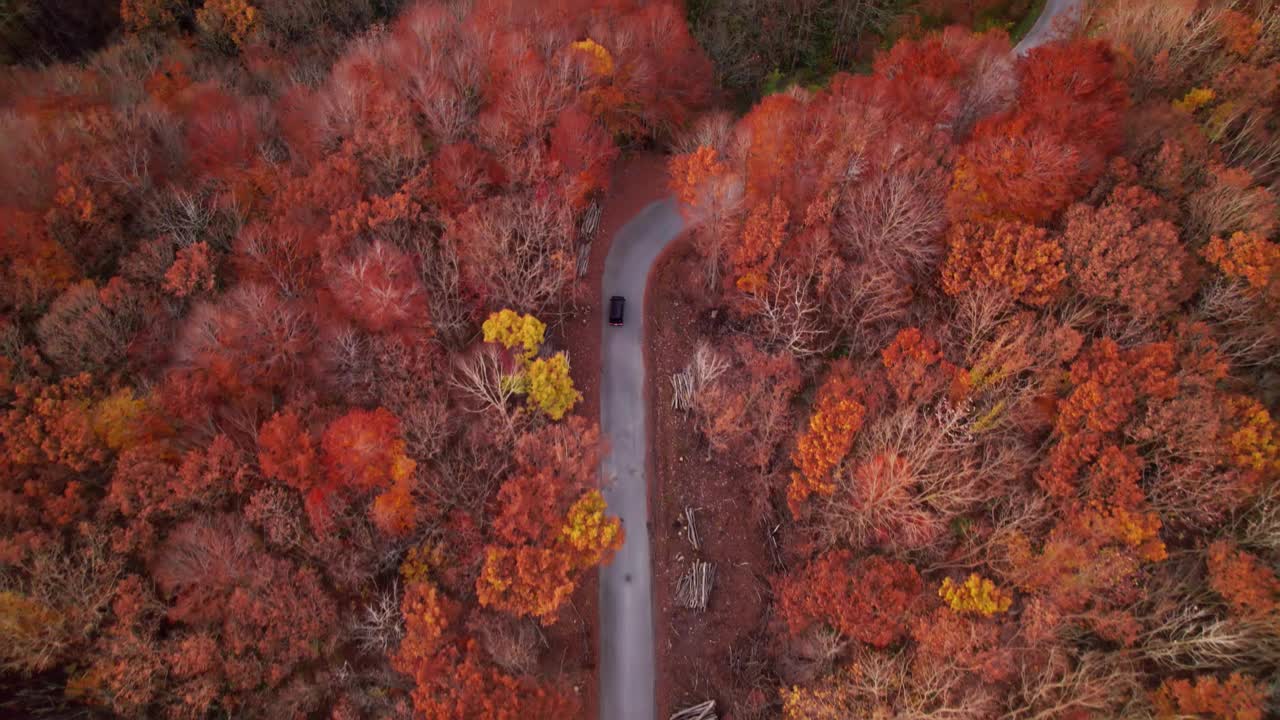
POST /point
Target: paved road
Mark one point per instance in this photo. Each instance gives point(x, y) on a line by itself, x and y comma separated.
point(626, 587)
point(1045, 30)
point(626, 592)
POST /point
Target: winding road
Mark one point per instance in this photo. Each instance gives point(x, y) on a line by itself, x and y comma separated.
point(626, 592)
point(1046, 28)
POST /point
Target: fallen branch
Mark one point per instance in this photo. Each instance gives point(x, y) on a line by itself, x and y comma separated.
point(701, 711)
point(775, 549)
point(691, 531)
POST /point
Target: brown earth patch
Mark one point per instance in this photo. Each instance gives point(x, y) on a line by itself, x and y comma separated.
point(720, 653)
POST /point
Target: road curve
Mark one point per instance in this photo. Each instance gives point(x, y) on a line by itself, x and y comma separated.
point(626, 584)
point(1046, 28)
point(626, 587)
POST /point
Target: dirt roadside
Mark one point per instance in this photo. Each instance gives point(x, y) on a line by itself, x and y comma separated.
point(721, 653)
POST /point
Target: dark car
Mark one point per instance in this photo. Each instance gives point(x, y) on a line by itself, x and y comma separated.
point(617, 304)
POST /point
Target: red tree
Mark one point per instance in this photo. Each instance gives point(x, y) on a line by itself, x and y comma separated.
point(1010, 257)
point(551, 524)
point(585, 153)
point(871, 599)
point(950, 78)
point(745, 413)
point(191, 272)
point(762, 237)
point(1052, 147)
point(1247, 584)
point(916, 369)
point(271, 616)
point(836, 419)
point(1116, 253)
point(287, 453)
point(1238, 697)
point(35, 268)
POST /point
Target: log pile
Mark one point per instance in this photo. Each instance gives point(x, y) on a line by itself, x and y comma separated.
point(695, 585)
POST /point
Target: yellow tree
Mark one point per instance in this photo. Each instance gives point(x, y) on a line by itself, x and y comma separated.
point(538, 575)
point(545, 380)
point(976, 595)
point(598, 58)
point(511, 330)
point(589, 531)
point(120, 419)
point(550, 387)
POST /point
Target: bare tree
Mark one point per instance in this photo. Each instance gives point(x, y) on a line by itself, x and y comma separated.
point(513, 643)
point(866, 305)
point(788, 316)
point(55, 603)
point(921, 468)
point(896, 687)
point(749, 39)
point(425, 426)
point(81, 332)
point(296, 19)
point(1095, 683)
point(441, 273)
point(379, 627)
point(1179, 37)
point(482, 376)
point(1246, 141)
point(1189, 629)
point(1018, 513)
point(1238, 316)
point(713, 130)
point(701, 373)
point(1259, 526)
point(1228, 203)
point(277, 513)
point(894, 220)
point(992, 87)
point(1196, 639)
point(520, 250)
point(182, 215)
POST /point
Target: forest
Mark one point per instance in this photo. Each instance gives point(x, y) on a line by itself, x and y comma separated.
point(287, 424)
point(981, 345)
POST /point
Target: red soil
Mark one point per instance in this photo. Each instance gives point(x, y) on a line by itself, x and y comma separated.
point(716, 654)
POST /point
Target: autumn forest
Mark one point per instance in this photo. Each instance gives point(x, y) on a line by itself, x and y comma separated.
point(964, 370)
